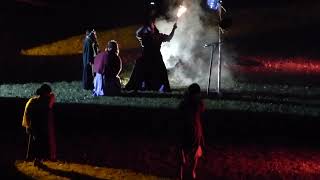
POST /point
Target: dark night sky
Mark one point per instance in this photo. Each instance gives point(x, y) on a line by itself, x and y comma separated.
point(118, 8)
point(37, 19)
point(88, 3)
point(110, 8)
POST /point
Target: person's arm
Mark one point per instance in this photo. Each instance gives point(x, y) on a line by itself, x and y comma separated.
point(170, 36)
point(26, 120)
point(26, 117)
point(96, 47)
point(142, 33)
point(52, 100)
point(119, 64)
point(139, 32)
point(91, 54)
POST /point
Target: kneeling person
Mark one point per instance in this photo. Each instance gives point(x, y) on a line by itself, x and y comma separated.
point(107, 67)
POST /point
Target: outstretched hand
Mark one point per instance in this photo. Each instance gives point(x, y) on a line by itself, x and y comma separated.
point(175, 25)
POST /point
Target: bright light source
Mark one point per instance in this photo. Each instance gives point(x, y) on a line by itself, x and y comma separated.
point(181, 10)
point(214, 4)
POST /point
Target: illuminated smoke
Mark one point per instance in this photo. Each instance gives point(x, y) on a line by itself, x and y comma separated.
point(181, 11)
point(185, 57)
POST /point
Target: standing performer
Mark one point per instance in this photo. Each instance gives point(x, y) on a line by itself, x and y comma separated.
point(150, 72)
point(192, 138)
point(39, 123)
point(90, 50)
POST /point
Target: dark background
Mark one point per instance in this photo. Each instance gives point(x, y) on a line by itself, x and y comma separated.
point(25, 23)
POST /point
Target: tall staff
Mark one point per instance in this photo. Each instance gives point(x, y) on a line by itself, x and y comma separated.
point(216, 5)
point(219, 51)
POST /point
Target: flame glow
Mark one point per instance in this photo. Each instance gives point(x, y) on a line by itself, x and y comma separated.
point(181, 10)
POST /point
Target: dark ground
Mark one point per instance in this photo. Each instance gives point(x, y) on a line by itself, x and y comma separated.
point(146, 140)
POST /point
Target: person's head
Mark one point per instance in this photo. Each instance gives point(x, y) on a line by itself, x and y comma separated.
point(46, 95)
point(194, 89)
point(91, 33)
point(88, 32)
point(151, 19)
point(151, 11)
point(113, 47)
point(193, 92)
point(44, 90)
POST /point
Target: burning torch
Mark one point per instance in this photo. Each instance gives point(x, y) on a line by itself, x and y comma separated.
point(181, 10)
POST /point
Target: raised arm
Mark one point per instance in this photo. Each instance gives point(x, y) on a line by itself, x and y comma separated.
point(170, 36)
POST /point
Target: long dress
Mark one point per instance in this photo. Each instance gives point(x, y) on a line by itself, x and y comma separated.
point(112, 71)
point(192, 135)
point(150, 72)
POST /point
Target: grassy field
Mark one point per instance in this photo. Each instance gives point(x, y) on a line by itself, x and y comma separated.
point(297, 100)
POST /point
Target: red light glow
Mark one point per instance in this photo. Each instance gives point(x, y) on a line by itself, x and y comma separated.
point(295, 65)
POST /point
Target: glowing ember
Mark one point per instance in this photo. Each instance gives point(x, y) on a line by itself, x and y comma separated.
point(181, 10)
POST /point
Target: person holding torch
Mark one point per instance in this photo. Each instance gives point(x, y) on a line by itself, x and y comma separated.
point(150, 72)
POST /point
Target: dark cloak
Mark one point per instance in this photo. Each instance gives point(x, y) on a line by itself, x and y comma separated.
point(150, 68)
point(89, 51)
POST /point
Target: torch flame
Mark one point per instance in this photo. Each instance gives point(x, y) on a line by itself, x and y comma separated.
point(181, 10)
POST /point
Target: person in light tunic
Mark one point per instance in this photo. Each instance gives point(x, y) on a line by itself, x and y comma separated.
point(38, 119)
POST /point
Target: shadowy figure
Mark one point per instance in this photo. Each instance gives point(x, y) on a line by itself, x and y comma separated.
point(107, 67)
point(39, 123)
point(10, 171)
point(150, 72)
point(90, 50)
point(192, 137)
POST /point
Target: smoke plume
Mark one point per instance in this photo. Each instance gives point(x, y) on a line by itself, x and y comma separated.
point(185, 57)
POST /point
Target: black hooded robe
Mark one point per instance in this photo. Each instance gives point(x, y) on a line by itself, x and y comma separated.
point(150, 68)
point(88, 54)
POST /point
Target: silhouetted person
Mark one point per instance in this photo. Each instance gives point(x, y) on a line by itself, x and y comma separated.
point(90, 50)
point(39, 123)
point(192, 137)
point(150, 72)
point(107, 67)
point(113, 69)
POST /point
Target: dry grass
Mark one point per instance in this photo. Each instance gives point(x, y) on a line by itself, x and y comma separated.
point(125, 36)
point(65, 171)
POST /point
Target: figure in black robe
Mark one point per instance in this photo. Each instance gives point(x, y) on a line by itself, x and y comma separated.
point(150, 72)
point(90, 50)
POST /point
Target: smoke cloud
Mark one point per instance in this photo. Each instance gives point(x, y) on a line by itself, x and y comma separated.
point(185, 57)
